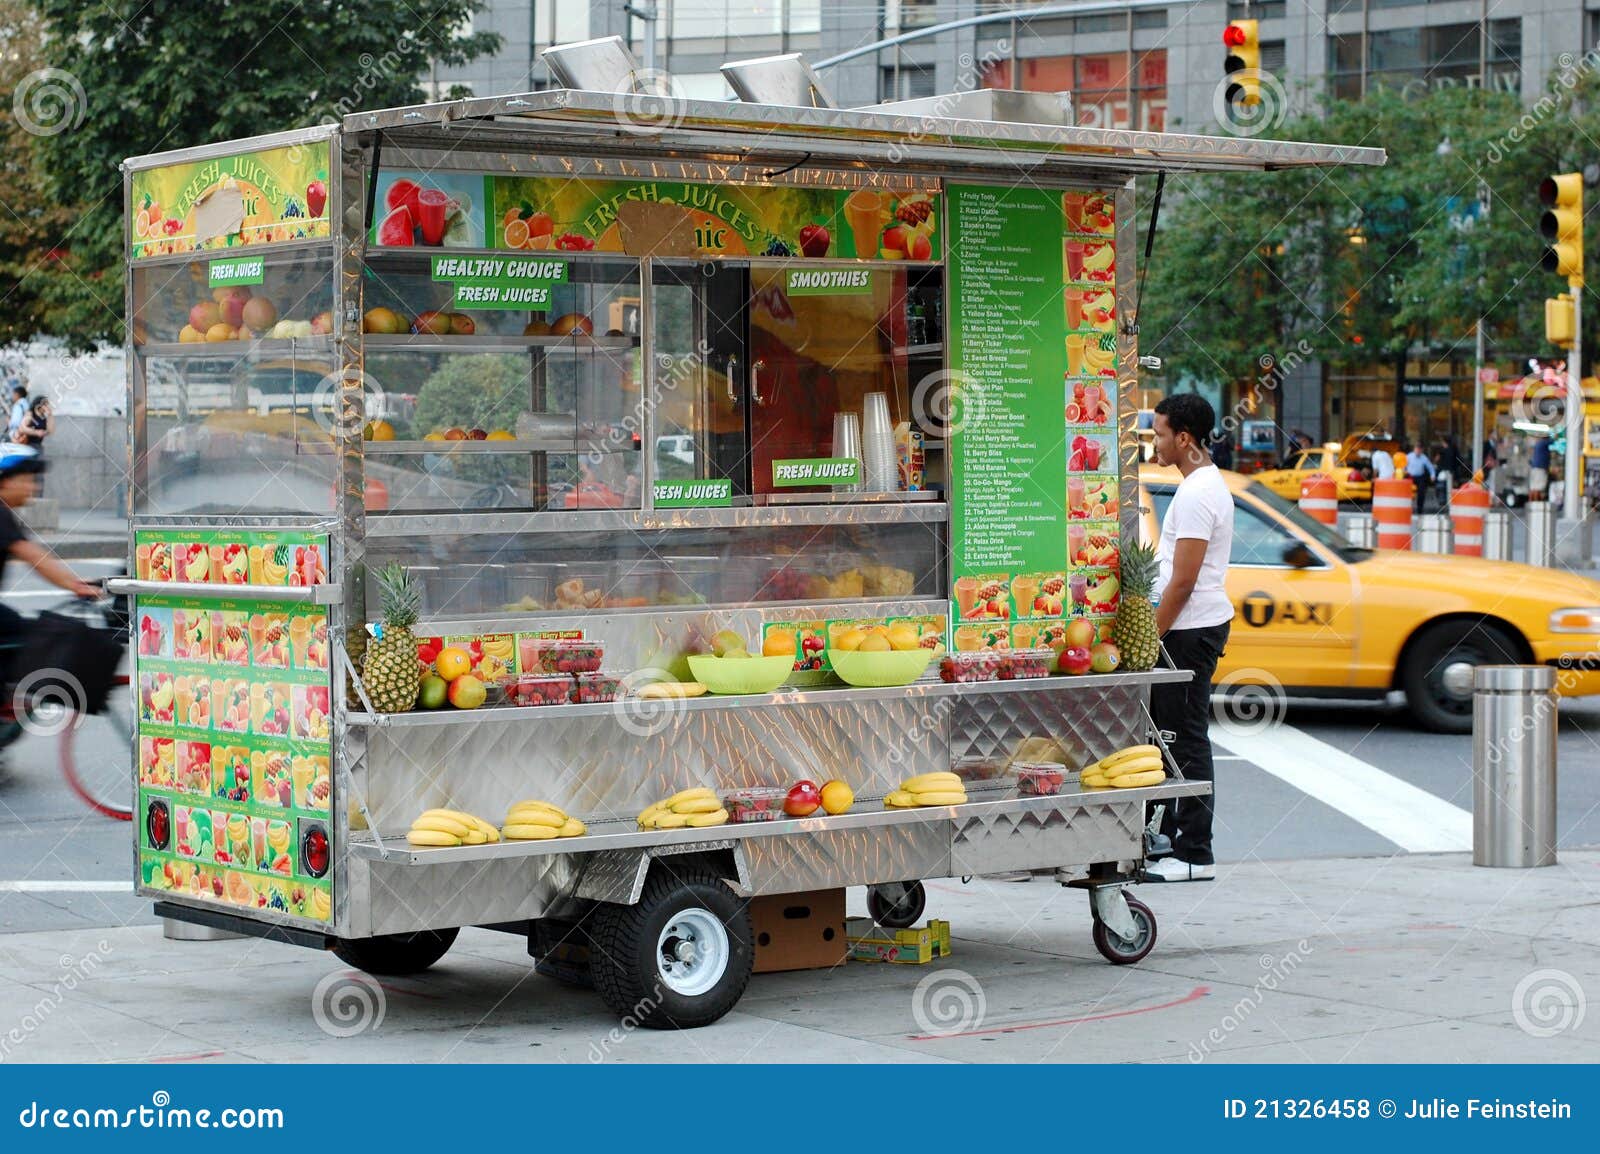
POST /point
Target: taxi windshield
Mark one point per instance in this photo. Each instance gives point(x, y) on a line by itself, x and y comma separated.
point(1324, 535)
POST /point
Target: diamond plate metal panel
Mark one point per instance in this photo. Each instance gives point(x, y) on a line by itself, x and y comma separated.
point(832, 858)
point(1033, 839)
point(1087, 725)
point(392, 901)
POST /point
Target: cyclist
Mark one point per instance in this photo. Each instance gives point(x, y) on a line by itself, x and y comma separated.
point(20, 467)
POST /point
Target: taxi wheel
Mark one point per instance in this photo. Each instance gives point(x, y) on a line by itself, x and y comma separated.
point(1437, 676)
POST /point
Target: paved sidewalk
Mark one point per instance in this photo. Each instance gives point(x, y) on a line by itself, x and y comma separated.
point(1405, 959)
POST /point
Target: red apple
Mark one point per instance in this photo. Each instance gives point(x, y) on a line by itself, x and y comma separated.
point(435, 323)
point(803, 800)
point(894, 239)
point(477, 435)
point(204, 315)
point(316, 197)
point(1074, 659)
point(814, 240)
point(322, 323)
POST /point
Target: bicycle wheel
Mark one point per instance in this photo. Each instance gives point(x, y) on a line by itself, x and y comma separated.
point(97, 755)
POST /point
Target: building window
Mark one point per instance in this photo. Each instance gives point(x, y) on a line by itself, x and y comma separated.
point(908, 82)
point(1109, 90)
point(1266, 10)
point(804, 16)
point(1150, 18)
point(1441, 56)
point(910, 13)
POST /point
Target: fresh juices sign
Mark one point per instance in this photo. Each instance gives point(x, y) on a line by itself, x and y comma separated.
point(692, 219)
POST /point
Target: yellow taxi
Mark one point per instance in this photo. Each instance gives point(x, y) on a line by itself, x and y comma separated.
point(1323, 618)
point(1349, 463)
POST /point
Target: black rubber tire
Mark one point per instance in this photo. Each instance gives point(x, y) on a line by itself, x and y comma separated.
point(395, 954)
point(899, 915)
point(1432, 706)
point(1120, 953)
point(625, 967)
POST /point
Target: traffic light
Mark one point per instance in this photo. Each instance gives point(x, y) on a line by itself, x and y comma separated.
point(1559, 329)
point(1243, 41)
point(1561, 224)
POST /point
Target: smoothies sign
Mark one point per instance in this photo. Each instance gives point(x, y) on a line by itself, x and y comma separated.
point(683, 218)
point(1034, 478)
point(235, 724)
point(252, 198)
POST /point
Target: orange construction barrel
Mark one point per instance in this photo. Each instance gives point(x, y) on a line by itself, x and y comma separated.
point(1319, 498)
point(1391, 509)
point(1468, 506)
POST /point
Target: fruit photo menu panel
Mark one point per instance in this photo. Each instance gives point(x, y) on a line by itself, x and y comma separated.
point(1089, 302)
point(235, 724)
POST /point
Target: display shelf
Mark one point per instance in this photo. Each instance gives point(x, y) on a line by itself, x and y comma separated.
point(637, 520)
point(841, 696)
point(623, 833)
point(836, 498)
point(234, 350)
point(586, 444)
point(328, 593)
point(429, 343)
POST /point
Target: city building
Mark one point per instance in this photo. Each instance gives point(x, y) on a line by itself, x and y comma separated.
point(1147, 64)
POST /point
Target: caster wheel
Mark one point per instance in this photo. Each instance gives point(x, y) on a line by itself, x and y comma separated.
point(897, 905)
point(395, 953)
point(1115, 949)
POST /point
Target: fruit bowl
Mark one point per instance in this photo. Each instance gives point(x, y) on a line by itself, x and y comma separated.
point(730, 675)
point(880, 670)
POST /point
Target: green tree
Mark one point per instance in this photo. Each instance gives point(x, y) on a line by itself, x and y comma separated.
point(163, 76)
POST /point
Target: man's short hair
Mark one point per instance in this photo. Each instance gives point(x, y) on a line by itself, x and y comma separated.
point(1188, 413)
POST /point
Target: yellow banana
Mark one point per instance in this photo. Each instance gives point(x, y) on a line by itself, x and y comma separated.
point(452, 814)
point(535, 803)
point(650, 811)
point(431, 837)
point(573, 828)
point(536, 817)
point(688, 795)
point(671, 820)
point(1094, 781)
point(438, 823)
point(900, 799)
point(698, 805)
point(701, 820)
point(945, 797)
point(531, 832)
point(1134, 765)
point(671, 689)
point(1134, 780)
point(475, 837)
point(927, 781)
point(1130, 752)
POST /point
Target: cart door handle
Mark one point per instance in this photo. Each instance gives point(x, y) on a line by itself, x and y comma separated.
point(755, 382)
point(732, 374)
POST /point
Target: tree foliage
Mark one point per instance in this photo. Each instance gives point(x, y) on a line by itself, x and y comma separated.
point(166, 75)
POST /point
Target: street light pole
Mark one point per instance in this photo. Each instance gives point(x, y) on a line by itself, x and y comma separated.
point(1572, 508)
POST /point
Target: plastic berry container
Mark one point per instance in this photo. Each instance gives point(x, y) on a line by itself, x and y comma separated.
point(757, 803)
point(597, 687)
point(540, 689)
point(1039, 778)
point(1025, 663)
point(567, 656)
point(960, 668)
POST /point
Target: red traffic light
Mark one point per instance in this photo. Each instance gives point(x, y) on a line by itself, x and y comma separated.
point(1233, 36)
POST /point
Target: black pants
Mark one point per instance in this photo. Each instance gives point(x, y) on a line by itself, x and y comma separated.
point(1184, 709)
point(1421, 483)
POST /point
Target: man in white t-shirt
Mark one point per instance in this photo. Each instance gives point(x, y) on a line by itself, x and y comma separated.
point(1193, 617)
point(1382, 465)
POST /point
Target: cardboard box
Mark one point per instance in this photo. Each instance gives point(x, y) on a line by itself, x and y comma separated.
point(916, 946)
point(803, 931)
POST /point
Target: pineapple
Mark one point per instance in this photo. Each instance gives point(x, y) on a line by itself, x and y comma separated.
point(1135, 628)
point(389, 667)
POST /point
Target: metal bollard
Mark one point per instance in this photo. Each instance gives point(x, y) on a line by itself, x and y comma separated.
point(1497, 535)
point(1360, 530)
point(1541, 533)
point(1432, 533)
point(1514, 766)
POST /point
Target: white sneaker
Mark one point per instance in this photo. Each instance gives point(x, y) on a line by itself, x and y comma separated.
point(1170, 869)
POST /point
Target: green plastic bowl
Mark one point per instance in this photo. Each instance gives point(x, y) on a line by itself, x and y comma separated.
point(729, 675)
point(880, 670)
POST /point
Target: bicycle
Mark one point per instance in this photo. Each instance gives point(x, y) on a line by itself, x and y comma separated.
point(104, 784)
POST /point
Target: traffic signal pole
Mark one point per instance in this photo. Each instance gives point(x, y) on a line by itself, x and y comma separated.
point(1572, 506)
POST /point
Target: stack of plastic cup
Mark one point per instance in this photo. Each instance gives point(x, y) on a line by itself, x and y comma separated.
point(877, 445)
point(847, 445)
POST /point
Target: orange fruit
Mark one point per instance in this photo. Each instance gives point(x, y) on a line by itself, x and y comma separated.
point(516, 233)
point(837, 797)
point(511, 215)
point(452, 662)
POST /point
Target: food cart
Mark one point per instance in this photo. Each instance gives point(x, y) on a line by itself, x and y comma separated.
point(634, 378)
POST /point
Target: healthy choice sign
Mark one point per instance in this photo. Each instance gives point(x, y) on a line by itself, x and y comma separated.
point(524, 284)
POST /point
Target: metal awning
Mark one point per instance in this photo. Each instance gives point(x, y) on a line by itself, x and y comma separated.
point(644, 125)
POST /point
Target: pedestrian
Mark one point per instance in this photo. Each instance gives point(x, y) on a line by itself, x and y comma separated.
point(1193, 618)
point(1491, 459)
point(19, 410)
point(1418, 467)
point(20, 468)
point(1382, 466)
point(1539, 469)
point(38, 423)
point(1222, 449)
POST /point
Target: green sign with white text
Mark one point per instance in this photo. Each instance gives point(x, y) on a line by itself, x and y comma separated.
point(520, 283)
point(711, 494)
point(240, 270)
point(816, 471)
point(812, 282)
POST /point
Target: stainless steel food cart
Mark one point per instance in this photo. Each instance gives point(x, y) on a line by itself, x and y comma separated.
point(269, 482)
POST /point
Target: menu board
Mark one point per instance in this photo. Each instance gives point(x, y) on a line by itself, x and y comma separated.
point(1034, 482)
point(235, 724)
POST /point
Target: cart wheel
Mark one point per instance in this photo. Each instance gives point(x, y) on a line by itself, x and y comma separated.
point(897, 905)
point(395, 953)
point(678, 959)
point(1123, 953)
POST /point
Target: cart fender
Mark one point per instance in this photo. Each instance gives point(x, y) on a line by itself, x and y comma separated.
point(1111, 907)
point(618, 875)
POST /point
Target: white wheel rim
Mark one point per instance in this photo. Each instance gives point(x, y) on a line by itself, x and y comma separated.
point(692, 952)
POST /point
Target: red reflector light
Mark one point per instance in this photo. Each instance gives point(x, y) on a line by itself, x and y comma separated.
point(1233, 36)
point(1355, 475)
point(315, 849)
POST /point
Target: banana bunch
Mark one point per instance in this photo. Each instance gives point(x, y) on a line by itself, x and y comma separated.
point(1127, 769)
point(670, 690)
point(1097, 358)
point(275, 571)
point(693, 808)
point(534, 820)
point(443, 827)
point(927, 789)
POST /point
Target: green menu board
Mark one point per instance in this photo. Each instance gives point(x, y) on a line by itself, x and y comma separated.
point(235, 723)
